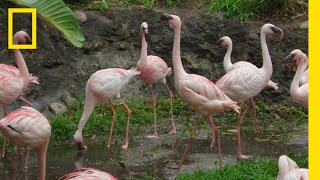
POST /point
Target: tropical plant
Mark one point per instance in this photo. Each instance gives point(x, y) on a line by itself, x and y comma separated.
point(59, 15)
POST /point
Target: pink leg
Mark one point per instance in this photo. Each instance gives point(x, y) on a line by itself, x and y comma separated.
point(112, 123)
point(209, 116)
point(25, 167)
point(3, 138)
point(25, 101)
point(125, 146)
point(193, 134)
point(155, 135)
point(254, 114)
point(214, 129)
point(15, 165)
point(240, 156)
point(172, 127)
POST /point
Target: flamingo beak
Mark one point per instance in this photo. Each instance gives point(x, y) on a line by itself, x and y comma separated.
point(146, 34)
point(165, 17)
point(218, 43)
point(278, 32)
point(29, 41)
point(291, 63)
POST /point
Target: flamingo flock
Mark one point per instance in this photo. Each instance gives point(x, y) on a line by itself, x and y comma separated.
point(28, 128)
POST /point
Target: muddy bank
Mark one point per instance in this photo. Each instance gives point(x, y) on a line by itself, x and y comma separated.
point(113, 40)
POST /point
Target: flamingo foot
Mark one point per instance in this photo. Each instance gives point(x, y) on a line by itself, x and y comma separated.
point(125, 146)
point(154, 136)
point(172, 130)
point(244, 157)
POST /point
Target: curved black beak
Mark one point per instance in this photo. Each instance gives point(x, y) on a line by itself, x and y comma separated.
point(278, 32)
point(165, 17)
point(218, 43)
point(290, 63)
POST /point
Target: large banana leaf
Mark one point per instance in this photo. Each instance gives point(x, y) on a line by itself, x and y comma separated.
point(59, 15)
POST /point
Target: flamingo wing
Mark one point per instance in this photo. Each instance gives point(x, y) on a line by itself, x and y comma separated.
point(242, 83)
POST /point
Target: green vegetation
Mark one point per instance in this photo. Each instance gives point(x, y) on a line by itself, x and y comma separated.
point(246, 9)
point(262, 169)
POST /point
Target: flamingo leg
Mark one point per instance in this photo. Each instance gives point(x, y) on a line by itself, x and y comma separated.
point(25, 101)
point(112, 124)
point(193, 134)
point(125, 146)
point(240, 156)
point(209, 117)
point(15, 165)
point(3, 151)
point(155, 135)
point(254, 114)
point(25, 167)
point(172, 127)
point(214, 129)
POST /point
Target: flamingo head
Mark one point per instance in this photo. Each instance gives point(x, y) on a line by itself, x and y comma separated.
point(294, 58)
point(21, 37)
point(272, 29)
point(174, 20)
point(144, 29)
point(224, 41)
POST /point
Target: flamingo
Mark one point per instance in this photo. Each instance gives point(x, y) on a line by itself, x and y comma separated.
point(299, 92)
point(154, 70)
point(28, 128)
point(197, 91)
point(88, 174)
point(14, 81)
point(304, 77)
point(289, 170)
point(243, 83)
point(103, 86)
point(228, 66)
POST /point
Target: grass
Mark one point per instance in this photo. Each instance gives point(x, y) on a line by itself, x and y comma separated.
point(246, 9)
point(262, 169)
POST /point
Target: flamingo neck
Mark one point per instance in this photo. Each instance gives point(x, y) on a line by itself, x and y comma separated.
point(294, 88)
point(176, 58)
point(267, 64)
point(144, 47)
point(227, 64)
point(22, 66)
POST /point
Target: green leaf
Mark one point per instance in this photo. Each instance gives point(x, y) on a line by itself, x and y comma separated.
point(59, 15)
point(2, 11)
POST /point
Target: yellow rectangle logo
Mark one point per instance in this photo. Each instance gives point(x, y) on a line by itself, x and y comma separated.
point(33, 12)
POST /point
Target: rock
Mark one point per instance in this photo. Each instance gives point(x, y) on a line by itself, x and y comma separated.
point(57, 108)
point(304, 25)
point(80, 16)
point(69, 101)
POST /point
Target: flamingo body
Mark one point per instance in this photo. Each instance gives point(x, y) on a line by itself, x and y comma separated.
point(289, 170)
point(88, 174)
point(28, 128)
point(103, 86)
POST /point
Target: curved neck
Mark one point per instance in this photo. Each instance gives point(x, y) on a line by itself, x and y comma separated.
point(227, 64)
point(267, 64)
point(297, 77)
point(23, 69)
point(176, 58)
point(144, 47)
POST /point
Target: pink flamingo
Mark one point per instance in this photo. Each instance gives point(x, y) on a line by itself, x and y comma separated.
point(154, 70)
point(197, 91)
point(28, 128)
point(88, 174)
point(289, 170)
point(243, 83)
point(299, 92)
point(103, 86)
point(14, 81)
point(304, 77)
point(228, 66)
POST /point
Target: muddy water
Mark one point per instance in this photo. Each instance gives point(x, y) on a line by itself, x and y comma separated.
point(145, 157)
